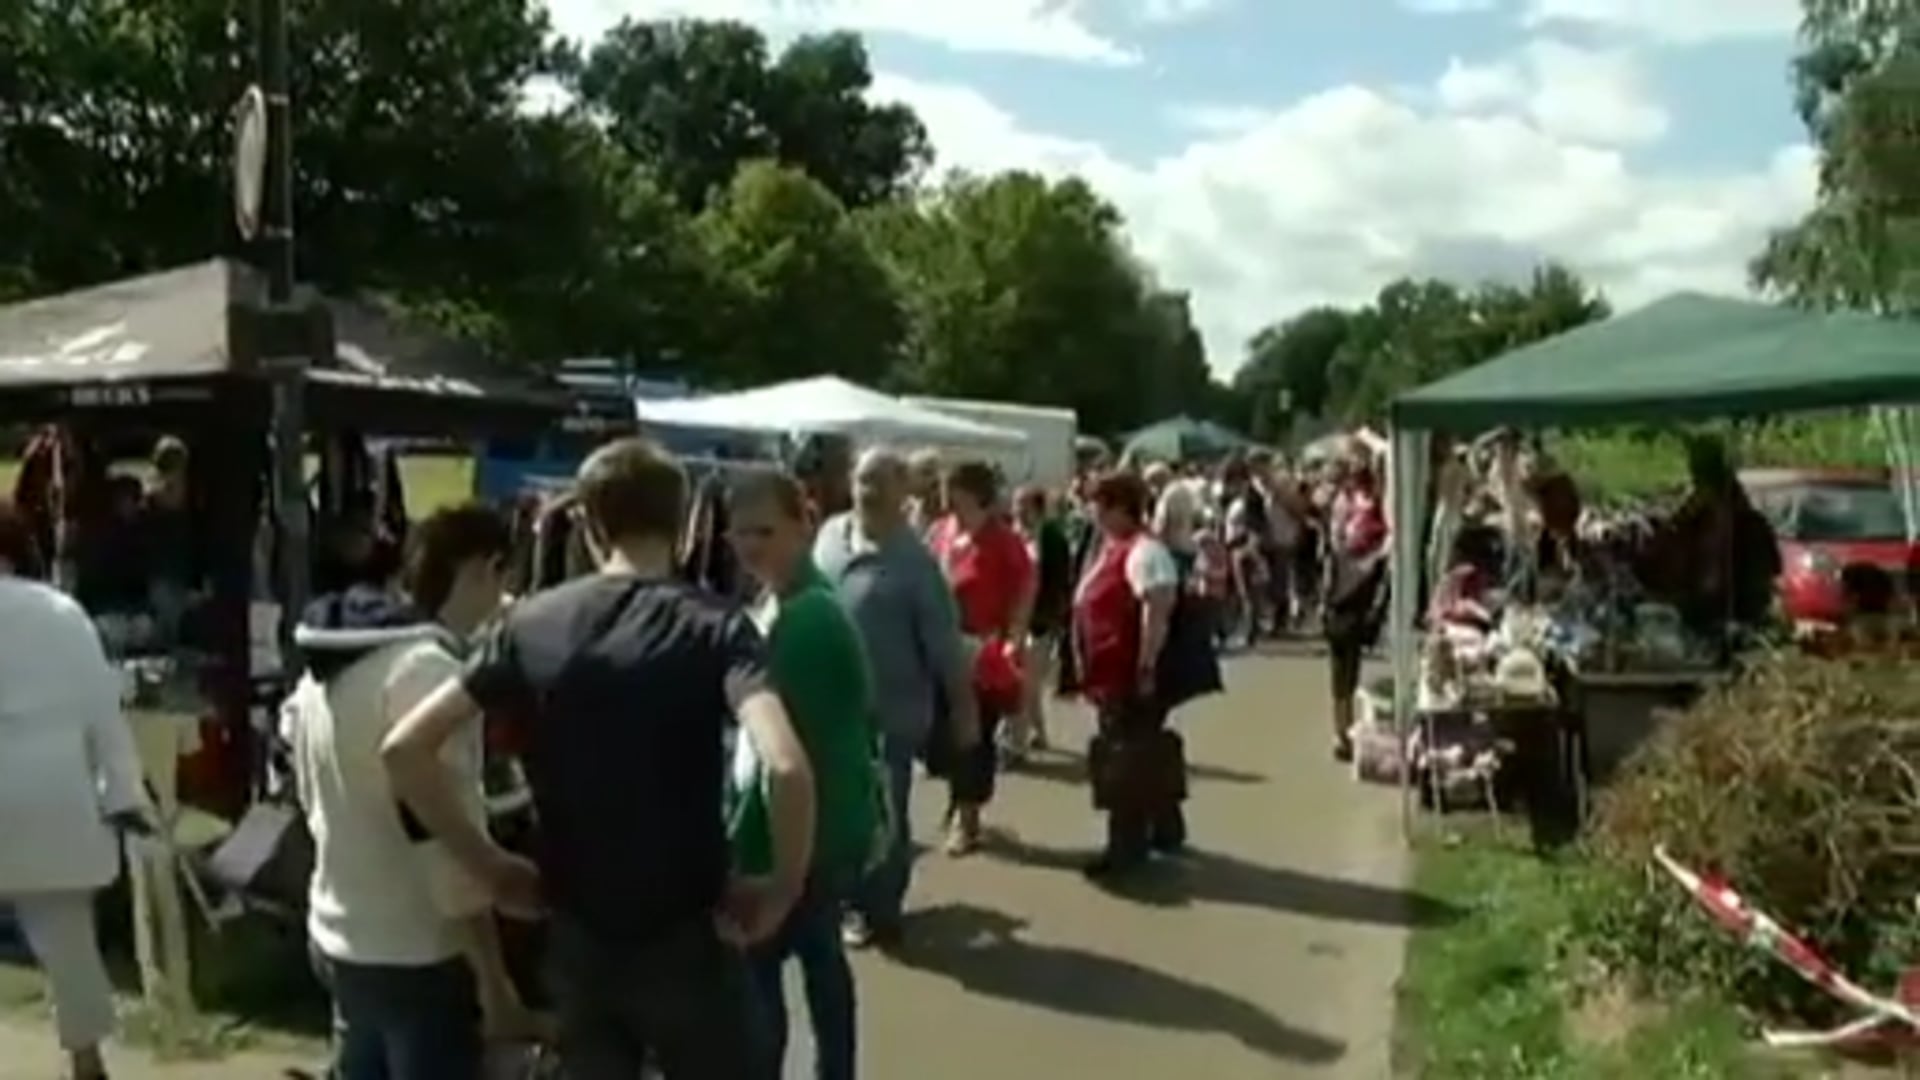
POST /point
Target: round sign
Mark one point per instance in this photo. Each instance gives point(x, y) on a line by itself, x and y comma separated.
point(249, 160)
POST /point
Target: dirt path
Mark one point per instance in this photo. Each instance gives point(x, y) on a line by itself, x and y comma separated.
point(1271, 952)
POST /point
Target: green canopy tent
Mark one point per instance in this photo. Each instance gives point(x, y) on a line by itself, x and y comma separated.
point(1184, 438)
point(1687, 357)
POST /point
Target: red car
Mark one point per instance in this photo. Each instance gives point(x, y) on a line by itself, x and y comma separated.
point(1828, 520)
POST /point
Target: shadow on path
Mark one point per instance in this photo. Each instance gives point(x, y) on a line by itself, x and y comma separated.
point(1298, 646)
point(981, 950)
point(1069, 767)
point(1212, 878)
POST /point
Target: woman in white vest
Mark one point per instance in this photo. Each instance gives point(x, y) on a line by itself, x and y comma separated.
point(69, 786)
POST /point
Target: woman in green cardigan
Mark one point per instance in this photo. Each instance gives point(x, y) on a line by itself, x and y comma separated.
point(819, 666)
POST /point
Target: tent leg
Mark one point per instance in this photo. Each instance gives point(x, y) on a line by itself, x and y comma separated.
point(1407, 490)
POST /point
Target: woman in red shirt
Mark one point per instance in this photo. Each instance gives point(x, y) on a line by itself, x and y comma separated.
point(1121, 613)
point(994, 581)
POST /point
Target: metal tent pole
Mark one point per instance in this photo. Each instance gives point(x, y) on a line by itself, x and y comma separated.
point(289, 422)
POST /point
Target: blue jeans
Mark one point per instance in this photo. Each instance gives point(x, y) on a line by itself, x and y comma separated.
point(404, 1023)
point(682, 1001)
point(882, 898)
point(811, 935)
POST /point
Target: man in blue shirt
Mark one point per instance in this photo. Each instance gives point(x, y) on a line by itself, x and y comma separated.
point(895, 590)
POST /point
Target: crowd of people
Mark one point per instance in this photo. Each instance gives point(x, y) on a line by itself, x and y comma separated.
point(720, 787)
point(721, 776)
point(1281, 549)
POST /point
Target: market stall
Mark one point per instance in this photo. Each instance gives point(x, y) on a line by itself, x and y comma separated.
point(1688, 357)
point(192, 358)
point(829, 405)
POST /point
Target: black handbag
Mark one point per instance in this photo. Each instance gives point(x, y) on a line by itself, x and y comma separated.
point(1189, 664)
point(1356, 600)
point(1143, 771)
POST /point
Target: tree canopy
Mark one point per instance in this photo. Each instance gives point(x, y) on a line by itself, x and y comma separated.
point(692, 201)
point(698, 99)
point(801, 292)
point(1023, 288)
point(1347, 364)
point(1858, 92)
point(689, 200)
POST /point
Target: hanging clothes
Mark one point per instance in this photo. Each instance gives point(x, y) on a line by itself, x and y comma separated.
point(346, 474)
point(389, 494)
point(35, 491)
point(59, 484)
point(554, 544)
point(708, 560)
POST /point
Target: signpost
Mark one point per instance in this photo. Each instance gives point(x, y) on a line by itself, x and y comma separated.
point(250, 140)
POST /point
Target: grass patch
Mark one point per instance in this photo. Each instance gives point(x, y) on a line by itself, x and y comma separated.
point(434, 481)
point(1501, 995)
point(212, 1035)
point(254, 991)
point(1638, 463)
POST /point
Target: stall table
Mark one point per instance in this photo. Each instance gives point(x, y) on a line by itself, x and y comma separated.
point(1541, 771)
point(1553, 767)
point(1583, 689)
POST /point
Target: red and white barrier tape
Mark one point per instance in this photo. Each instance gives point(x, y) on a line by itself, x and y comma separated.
point(1887, 1019)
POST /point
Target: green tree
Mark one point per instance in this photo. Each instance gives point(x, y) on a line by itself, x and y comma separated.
point(612, 266)
point(823, 122)
point(1288, 370)
point(1022, 288)
point(802, 293)
point(1416, 331)
point(419, 174)
point(1173, 358)
point(1858, 83)
point(697, 99)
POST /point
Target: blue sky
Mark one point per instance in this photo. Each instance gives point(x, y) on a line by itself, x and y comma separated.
point(1731, 99)
point(1271, 154)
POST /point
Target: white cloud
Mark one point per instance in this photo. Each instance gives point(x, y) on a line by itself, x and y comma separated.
point(1448, 7)
point(1327, 200)
point(1173, 11)
point(1049, 28)
point(1681, 21)
point(1585, 95)
point(1218, 119)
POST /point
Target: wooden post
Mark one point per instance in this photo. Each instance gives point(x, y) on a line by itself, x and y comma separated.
point(161, 941)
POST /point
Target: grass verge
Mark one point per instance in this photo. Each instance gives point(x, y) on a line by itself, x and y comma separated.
point(1503, 995)
point(253, 989)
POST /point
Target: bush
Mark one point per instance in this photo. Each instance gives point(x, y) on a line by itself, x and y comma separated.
point(1800, 785)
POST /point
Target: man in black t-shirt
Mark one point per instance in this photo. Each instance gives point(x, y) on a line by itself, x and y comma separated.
point(620, 689)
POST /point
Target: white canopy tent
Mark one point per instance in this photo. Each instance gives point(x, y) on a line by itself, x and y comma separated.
point(827, 404)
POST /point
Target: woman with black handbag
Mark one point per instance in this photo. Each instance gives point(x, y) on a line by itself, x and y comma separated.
point(1122, 612)
point(1354, 607)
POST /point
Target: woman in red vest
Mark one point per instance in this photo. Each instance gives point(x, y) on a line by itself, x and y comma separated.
point(1121, 613)
point(994, 582)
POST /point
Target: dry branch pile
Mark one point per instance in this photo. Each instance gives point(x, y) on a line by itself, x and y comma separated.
point(1800, 784)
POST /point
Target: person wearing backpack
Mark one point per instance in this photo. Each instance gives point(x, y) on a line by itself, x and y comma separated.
point(819, 668)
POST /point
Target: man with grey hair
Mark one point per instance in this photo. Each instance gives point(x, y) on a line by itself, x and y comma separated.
point(926, 499)
point(894, 589)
